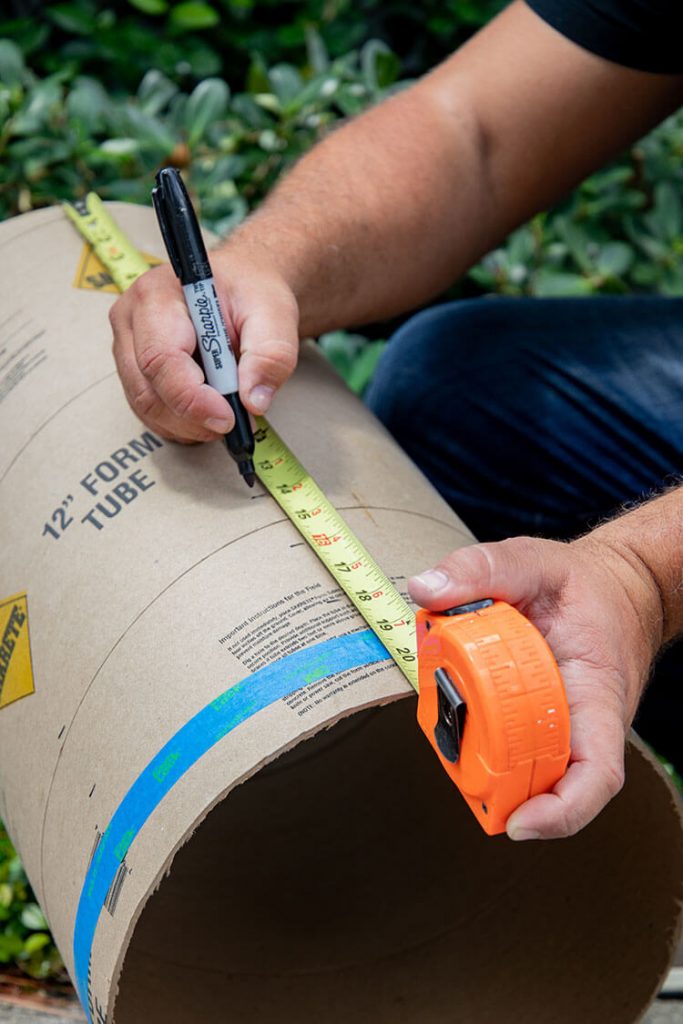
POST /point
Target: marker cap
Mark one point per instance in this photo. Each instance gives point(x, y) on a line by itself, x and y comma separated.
point(179, 227)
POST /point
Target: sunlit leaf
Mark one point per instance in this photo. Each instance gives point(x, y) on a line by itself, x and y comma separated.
point(193, 15)
point(32, 917)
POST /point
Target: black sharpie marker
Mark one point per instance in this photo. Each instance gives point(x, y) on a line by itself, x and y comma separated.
point(187, 254)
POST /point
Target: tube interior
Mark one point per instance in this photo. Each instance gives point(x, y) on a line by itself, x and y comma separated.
point(349, 881)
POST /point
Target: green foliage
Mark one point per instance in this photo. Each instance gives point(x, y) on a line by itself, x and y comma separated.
point(64, 135)
point(191, 39)
point(620, 231)
point(353, 357)
point(24, 936)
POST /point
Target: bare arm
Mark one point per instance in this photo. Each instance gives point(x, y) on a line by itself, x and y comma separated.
point(394, 206)
point(389, 210)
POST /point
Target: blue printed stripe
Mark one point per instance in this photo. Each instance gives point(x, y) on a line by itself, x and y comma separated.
point(191, 742)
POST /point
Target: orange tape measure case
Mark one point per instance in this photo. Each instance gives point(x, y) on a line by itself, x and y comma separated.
point(493, 706)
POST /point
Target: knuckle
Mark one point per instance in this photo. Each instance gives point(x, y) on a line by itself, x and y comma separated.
point(277, 359)
point(472, 564)
point(145, 286)
point(144, 403)
point(522, 551)
point(114, 315)
point(570, 821)
point(183, 402)
point(151, 360)
point(615, 777)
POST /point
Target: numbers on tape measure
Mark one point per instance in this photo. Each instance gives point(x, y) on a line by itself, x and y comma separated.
point(123, 261)
point(354, 569)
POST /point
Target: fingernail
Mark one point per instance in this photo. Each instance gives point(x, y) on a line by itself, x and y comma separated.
point(521, 834)
point(261, 397)
point(434, 580)
point(219, 426)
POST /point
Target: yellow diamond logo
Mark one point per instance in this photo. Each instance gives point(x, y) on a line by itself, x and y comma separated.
point(92, 275)
point(16, 669)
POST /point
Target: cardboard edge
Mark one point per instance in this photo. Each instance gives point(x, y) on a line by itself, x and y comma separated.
point(166, 867)
point(675, 938)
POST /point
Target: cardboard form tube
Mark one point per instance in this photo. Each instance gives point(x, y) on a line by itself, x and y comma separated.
point(287, 849)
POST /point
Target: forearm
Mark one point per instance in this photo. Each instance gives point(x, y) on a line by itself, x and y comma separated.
point(371, 222)
point(651, 538)
point(394, 206)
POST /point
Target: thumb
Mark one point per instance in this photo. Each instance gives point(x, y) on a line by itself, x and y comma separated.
point(269, 349)
point(516, 571)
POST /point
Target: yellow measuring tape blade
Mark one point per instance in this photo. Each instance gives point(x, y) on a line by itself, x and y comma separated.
point(368, 588)
point(114, 250)
point(337, 547)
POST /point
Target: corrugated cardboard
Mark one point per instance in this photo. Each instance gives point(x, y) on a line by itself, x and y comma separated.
point(250, 876)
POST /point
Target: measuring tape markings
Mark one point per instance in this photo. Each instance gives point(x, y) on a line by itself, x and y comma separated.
point(337, 547)
point(115, 251)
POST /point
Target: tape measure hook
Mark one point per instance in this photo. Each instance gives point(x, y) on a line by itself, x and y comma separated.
point(81, 207)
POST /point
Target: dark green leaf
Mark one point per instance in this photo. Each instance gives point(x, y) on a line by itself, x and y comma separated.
point(10, 947)
point(192, 16)
point(88, 103)
point(156, 91)
point(150, 6)
point(150, 131)
point(667, 215)
point(379, 65)
point(257, 76)
point(364, 366)
point(207, 104)
point(78, 18)
point(40, 105)
point(12, 67)
point(549, 283)
point(286, 82)
point(318, 57)
point(614, 259)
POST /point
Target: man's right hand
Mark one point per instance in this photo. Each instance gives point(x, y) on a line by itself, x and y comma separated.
point(154, 342)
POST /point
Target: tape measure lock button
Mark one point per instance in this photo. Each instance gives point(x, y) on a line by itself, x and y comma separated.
point(451, 715)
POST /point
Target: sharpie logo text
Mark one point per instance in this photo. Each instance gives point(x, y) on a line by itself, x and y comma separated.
point(209, 337)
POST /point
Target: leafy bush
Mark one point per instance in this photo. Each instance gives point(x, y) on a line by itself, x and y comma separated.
point(190, 40)
point(24, 936)
point(620, 231)
point(63, 137)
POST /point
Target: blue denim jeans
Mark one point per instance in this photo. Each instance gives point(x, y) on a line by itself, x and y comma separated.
point(542, 417)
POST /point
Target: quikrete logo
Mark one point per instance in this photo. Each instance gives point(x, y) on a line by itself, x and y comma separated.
point(16, 670)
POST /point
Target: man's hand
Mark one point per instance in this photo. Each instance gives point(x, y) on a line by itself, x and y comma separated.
point(599, 607)
point(154, 342)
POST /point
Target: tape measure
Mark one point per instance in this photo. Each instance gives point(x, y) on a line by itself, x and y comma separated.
point(490, 696)
point(492, 704)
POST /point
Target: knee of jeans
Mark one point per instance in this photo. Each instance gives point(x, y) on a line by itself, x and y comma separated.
point(420, 355)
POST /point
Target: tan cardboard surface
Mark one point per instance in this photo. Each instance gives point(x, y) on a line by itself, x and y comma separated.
point(346, 878)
